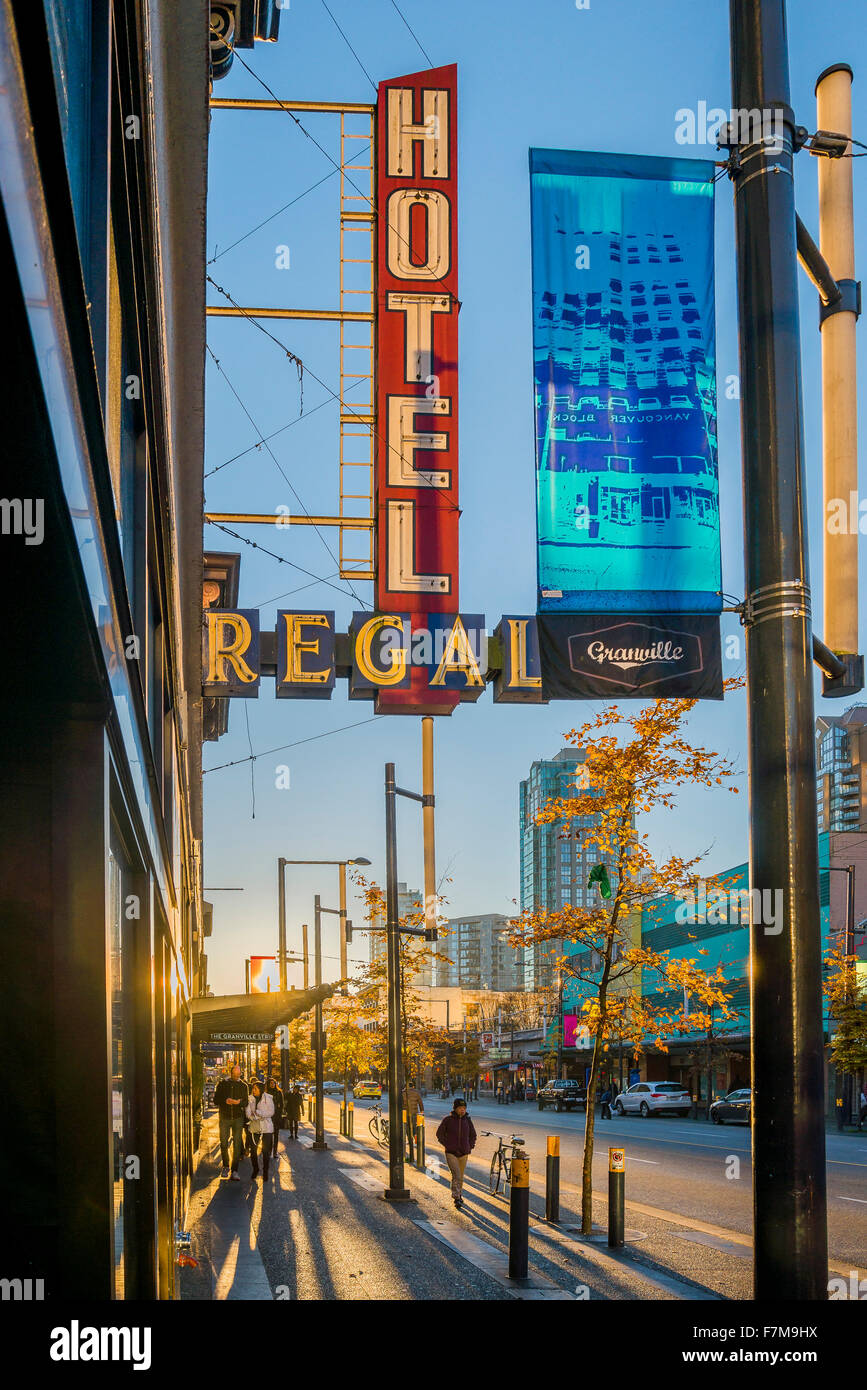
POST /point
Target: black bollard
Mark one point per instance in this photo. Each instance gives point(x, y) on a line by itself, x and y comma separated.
point(552, 1179)
point(519, 1217)
point(616, 1196)
point(419, 1142)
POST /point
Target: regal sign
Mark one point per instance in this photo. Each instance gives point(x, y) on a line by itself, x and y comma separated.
point(416, 461)
point(451, 654)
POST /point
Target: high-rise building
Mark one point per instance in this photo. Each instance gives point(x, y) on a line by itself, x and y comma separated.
point(555, 860)
point(409, 900)
point(478, 954)
point(841, 770)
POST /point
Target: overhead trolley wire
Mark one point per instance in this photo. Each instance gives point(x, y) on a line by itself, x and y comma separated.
point(348, 45)
point(251, 318)
point(424, 51)
point(254, 545)
point(439, 279)
point(281, 470)
point(283, 747)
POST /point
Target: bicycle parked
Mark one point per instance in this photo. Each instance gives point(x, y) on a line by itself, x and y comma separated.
point(501, 1162)
point(378, 1126)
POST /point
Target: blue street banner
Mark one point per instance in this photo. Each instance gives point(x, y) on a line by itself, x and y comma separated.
point(627, 496)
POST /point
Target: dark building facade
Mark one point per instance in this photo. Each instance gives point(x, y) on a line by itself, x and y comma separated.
point(103, 171)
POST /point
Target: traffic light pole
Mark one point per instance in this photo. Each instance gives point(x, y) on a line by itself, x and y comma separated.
point(789, 1196)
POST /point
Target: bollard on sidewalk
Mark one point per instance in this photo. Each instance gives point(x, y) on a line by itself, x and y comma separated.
point(552, 1179)
point(350, 1120)
point(419, 1142)
point(519, 1216)
point(342, 1118)
point(616, 1196)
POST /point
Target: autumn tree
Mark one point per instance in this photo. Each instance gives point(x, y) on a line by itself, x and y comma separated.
point(846, 993)
point(423, 1039)
point(299, 1054)
point(349, 1046)
point(623, 778)
point(464, 1061)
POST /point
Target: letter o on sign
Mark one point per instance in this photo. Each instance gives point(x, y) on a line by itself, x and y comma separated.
point(437, 258)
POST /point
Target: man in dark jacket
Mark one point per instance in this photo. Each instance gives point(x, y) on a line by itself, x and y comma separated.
point(458, 1137)
point(231, 1098)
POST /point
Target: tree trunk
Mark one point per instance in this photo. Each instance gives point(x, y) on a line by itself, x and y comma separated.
point(589, 1128)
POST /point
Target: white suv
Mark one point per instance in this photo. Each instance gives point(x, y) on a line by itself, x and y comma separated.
point(653, 1098)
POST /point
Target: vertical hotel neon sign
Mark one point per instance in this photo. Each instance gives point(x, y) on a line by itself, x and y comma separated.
point(417, 355)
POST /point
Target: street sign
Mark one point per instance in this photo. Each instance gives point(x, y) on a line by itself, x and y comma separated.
point(486, 1039)
point(239, 1037)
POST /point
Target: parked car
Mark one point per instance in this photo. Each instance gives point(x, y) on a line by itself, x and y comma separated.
point(563, 1095)
point(735, 1107)
point(367, 1088)
point(647, 1098)
point(332, 1088)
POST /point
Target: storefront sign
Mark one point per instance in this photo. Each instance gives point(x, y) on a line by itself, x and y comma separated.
point(601, 656)
point(416, 463)
point(239, 1037)
point(627, 492)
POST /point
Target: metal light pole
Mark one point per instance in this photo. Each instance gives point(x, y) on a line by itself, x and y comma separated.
point(791, 1255)
point(340, 865)
point(397, 1189)
point(319, 1141)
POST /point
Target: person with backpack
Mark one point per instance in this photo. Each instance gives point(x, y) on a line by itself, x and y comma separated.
point(457, 1135)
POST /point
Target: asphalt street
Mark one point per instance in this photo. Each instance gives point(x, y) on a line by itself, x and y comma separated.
point(682, 1166)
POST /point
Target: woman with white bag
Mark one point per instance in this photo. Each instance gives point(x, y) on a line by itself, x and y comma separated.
point(260, 1113)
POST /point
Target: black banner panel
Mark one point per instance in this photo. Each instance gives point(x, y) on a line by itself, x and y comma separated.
point(588, 656)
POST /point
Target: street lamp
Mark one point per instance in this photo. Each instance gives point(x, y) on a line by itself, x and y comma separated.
point(281, 899)
point(396, 1191)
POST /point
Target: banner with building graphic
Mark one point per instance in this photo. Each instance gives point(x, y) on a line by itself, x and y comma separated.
point(623, 339)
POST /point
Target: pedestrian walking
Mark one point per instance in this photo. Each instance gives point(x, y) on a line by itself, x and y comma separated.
point(230, 1098)
point(294, 1105)
point(457, 1135)
point(273, 1089)
point(863, 1108)
point(606, 1099)
point(260, 1113)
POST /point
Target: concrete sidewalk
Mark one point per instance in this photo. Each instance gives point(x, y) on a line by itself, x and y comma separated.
point(320, 1230)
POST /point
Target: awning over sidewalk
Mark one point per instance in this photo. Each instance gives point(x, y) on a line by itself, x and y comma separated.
point(227, 1017)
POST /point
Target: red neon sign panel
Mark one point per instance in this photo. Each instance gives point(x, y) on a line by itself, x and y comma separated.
point(417, 362)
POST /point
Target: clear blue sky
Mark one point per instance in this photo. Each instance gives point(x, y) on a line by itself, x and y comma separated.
point(610, 77)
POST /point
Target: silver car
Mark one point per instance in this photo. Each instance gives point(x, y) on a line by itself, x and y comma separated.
point(647, 1098)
